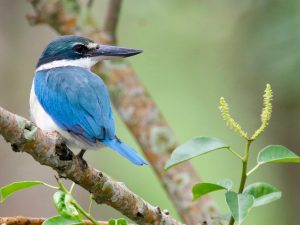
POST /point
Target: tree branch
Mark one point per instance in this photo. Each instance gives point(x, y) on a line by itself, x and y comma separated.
point(20, 220)
point(48, 149)
point(137, 109)
point(111, 21)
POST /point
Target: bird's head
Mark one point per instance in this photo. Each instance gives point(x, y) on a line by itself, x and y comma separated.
point(71, 50)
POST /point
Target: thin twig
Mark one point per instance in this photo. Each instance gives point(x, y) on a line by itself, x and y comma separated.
point(21, 220)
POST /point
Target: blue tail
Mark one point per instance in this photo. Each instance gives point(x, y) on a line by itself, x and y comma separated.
point(125, 151)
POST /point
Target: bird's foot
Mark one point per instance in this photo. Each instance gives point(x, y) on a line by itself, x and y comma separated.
point(83, 163)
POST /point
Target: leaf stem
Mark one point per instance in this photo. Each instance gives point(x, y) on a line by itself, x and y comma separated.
point(253, 169)
point(50, 186)
point(91, 203)
point(235, 153)
point(244, 173)
point(83, 212)
point(61, 186)
point(72, 187)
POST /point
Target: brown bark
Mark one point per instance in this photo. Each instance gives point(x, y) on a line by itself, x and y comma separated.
point(111, 21)
point(20, 220)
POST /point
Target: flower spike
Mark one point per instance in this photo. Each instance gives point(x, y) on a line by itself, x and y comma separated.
point(224, 108)
point(266, 112)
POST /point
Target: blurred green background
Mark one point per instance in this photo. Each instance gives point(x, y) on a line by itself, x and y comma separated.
point(194, 53)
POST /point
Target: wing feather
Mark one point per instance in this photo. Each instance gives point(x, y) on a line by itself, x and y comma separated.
point(77, 100)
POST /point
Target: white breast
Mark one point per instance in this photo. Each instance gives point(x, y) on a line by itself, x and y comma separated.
point(44, 121)
point(38, 114)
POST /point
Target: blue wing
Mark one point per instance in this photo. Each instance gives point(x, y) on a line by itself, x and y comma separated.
point(78, 101)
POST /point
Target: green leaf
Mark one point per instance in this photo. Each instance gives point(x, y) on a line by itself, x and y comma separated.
point(60, 220)
point(277, 154)
point(120, 221)
point(203, 188)
point(9, 189)
point(263, 193)
point(63, 203)
point(239, 205)
point(194, 147)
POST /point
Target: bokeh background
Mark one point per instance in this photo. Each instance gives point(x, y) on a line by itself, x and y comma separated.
point(194, 52)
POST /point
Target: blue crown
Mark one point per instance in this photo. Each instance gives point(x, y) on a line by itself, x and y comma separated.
point(69, 47)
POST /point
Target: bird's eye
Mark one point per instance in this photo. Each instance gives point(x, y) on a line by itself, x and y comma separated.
point(80, 48)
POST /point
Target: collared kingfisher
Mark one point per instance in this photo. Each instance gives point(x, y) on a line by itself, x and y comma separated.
point(68, 98)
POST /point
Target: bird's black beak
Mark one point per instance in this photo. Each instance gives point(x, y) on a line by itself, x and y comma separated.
point(110, 52)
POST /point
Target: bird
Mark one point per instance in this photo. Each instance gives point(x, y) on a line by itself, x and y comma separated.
point(68, 98)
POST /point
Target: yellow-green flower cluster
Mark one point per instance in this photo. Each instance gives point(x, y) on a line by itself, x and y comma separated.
point(266, 112)
point(224, 108)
